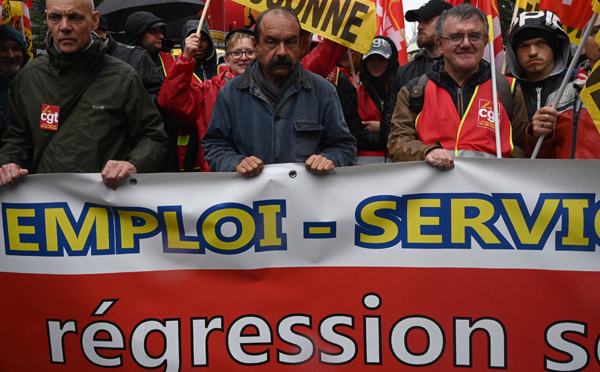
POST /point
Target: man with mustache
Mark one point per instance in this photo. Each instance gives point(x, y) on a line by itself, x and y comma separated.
point(277, 112)
point(454, 109)
point(538, 51)
point(13, 55)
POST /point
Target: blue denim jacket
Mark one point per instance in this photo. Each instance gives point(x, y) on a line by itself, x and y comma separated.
point(307, 120)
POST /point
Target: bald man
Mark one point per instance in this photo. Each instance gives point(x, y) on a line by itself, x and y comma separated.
point(113, 128)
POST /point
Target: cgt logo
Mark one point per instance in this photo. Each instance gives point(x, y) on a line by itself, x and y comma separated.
point(49, 117)
point(486, 114)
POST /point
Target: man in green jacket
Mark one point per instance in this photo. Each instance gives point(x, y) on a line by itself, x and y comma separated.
point(114, 128)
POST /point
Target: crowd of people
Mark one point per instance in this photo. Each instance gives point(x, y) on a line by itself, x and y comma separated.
point(93, 104)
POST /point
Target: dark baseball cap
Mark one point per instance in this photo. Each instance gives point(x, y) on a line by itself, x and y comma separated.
point(430, 9)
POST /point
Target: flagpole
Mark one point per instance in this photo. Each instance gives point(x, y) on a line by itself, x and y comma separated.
point(488, 11)
point(567, 78)
point(514, 16)
point(203, 16)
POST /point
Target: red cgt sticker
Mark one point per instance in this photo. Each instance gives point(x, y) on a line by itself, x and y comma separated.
point(49, 117)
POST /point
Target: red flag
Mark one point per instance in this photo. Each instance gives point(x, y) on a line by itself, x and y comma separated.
point(390, 23)
point(573, 15)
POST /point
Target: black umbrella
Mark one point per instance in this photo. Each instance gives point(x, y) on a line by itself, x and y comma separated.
point(117, 11)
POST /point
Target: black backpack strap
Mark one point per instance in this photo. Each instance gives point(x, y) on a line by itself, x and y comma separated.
point(66, 112)
point(416, 99)
point(505, 94)
point(417, 94)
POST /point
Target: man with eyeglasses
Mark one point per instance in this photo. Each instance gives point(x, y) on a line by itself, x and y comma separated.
point(570, 131)
point(277, 112)
point(537, 50)
point(453, 100)
point(146, 30)
point(192, 103)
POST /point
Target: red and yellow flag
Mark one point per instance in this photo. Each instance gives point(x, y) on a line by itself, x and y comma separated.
point(590, 94)
point(390, 23)
point(573, 14)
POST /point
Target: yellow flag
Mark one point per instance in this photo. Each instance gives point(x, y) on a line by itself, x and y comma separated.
point(352, 23)
point(528, 5)
point(590, 94)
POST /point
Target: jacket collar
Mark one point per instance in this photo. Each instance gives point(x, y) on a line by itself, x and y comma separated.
point(437, 73)
point(83, 59)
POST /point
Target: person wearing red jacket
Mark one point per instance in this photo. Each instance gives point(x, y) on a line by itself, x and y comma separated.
point(192, 104)
point(570, 131)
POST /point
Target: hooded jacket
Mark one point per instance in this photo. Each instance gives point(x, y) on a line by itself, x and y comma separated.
point(530, 25)
point(138, 23)
point(114, 119)
point(206, 68)
point(9, 32)
point(140, 60)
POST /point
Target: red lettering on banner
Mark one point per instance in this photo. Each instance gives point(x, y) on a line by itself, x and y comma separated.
point(49, 117)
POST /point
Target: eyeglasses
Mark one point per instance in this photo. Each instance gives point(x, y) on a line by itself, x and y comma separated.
point(250, 53)
point(594, 31)
point(457, 39)
point(155, 31)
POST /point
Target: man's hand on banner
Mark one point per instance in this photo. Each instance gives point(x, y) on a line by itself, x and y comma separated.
point(318, 164)
point(115, 171)
point(440, 159)
point(10, 173)
point(250, 166)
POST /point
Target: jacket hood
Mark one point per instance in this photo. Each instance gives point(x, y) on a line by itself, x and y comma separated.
point(9, 32)
point(529, 25)
point(191, 27)
point(139, 22)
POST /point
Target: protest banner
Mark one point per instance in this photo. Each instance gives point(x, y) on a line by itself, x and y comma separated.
point(493, 265)
point(352, 23)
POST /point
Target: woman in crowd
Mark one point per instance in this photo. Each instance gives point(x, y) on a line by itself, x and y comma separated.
point(377, 73)
point(192, 104)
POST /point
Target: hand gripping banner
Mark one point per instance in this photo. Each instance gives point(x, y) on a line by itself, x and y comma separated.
point(392, 267)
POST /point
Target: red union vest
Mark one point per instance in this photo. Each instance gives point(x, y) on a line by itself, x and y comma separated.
point(439, 121)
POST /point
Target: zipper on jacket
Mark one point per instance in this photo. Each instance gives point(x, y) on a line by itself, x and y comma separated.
point(539, 98)
point(576, 112)
point(460, 102)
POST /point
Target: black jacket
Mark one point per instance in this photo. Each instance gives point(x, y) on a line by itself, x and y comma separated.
point(415, 68)
point(534, 90)
point(140, 60)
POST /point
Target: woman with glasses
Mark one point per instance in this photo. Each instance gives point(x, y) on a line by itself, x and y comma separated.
point(192, 104)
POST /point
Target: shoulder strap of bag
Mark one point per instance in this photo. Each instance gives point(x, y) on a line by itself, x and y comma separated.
point(66, 112)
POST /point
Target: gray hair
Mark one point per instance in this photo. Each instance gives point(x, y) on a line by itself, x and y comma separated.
point(462, 12)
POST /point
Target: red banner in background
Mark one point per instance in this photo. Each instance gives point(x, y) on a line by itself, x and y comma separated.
point(390, 23)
